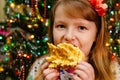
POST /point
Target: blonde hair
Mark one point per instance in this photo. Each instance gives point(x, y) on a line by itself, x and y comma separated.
point(99, 55)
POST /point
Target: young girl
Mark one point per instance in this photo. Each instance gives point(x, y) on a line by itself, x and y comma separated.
point(80, 23)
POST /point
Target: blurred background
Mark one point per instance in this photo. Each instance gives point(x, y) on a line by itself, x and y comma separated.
point(23, 34)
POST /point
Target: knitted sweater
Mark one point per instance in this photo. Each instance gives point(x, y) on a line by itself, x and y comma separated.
point(65, 75)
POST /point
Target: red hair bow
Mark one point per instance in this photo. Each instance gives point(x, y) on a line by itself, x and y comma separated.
point(100, 6)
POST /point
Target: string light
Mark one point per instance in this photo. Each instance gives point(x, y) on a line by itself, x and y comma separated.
point(110, 26)
point(11, 20)
point(36, 25)
point(1, 37)
point(49, 6)
point(25, 55)
point(112, 19)
point(112, 12)
point(20, 55)
point(107, 44)
point(31, 37)
point(29, 26)
point(1, 69)
point(117, 4)
point(38, 53)
point(18, 6)
point(118, 11)
point(28, 56)
point(12, 5)
point(118, 41)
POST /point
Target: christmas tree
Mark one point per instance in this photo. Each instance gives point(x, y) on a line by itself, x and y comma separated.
point(113, 25)
point(23, 36)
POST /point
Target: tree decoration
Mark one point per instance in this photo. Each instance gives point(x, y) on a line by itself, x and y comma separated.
point(113, 23)
point(23, 36)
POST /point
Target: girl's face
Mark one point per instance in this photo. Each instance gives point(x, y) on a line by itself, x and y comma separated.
point(73, 30)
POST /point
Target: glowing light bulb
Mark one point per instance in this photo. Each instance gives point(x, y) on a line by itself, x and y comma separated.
point(12, 5)
point(29, 26)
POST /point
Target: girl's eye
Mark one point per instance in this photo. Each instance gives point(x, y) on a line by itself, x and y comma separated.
point(60, 26)
point(82, 28)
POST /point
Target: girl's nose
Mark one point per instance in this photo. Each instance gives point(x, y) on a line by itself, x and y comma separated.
point(69, 35)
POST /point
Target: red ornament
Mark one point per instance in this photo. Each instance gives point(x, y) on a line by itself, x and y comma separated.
point(17, 72)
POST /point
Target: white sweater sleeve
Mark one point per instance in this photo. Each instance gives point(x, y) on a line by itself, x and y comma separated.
point(35, 68)
point(117, 71)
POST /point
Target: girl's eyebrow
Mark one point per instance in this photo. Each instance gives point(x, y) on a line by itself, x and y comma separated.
point(59, 22)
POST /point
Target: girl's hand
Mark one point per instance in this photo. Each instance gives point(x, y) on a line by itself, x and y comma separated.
point(48, 73)
point(83, 71)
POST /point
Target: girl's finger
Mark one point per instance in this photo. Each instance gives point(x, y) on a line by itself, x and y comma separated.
point(44, 66)
point(75, 77)
point(48, 71)
point(81, 74)
point(52, 76)
point(86, 67)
